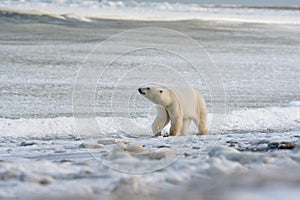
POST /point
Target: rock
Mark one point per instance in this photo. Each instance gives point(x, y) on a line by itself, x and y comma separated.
point(119, 153)
point(135, 148)
point(107, 141)
point(60, 151)
point(91, 146)
point(222, 150)
point(45, 181)
point(282, 145)
point(269, 160)
point(258, 142)
point(222, 166)
point(186, 154)
point(7, 175)
point(174, 178)
point(157, 155)
point(164, 146)
point(126, 187)
point(65, 160)
point(27, 143)
point(232, 142)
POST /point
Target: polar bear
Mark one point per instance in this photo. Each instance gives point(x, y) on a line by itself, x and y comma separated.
point(180, 106)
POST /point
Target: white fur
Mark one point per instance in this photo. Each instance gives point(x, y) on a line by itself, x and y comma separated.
point(180, 106)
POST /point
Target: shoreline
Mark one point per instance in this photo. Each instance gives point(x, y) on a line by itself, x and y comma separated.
point(64, 18)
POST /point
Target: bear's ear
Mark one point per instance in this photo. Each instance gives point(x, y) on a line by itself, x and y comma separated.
point(160, 91)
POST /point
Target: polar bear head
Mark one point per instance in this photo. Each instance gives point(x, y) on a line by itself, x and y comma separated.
point(160, 96)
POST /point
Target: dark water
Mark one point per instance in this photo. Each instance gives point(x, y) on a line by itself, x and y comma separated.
point(237, 2)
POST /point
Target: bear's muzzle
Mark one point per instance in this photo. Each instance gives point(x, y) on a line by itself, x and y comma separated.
point(141, 91)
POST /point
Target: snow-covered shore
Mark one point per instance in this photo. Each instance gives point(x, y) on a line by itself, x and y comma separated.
point(239, 165)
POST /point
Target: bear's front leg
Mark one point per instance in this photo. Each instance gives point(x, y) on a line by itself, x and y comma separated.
point(176, 125)
point(161, 120)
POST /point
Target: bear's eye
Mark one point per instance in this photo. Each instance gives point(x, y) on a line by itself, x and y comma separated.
point(160, 91)
point(148, 88)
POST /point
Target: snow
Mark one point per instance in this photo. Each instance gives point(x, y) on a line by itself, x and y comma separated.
point(47, 157)
point(123, 167)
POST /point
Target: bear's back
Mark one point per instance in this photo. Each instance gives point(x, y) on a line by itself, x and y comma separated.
point(188, 99)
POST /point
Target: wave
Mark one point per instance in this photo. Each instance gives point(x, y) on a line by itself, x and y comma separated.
point(90, 10)
point(270, 119)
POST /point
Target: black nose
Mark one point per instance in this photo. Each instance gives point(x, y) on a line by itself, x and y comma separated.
point(141, 91)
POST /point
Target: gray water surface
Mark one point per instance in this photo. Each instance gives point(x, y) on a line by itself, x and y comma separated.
point(258, 63)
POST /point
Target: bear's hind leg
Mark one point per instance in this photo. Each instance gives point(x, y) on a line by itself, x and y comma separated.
point(202, 126)
point(185, 126)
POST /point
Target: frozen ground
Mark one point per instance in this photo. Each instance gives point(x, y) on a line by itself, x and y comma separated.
point(255, 154)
